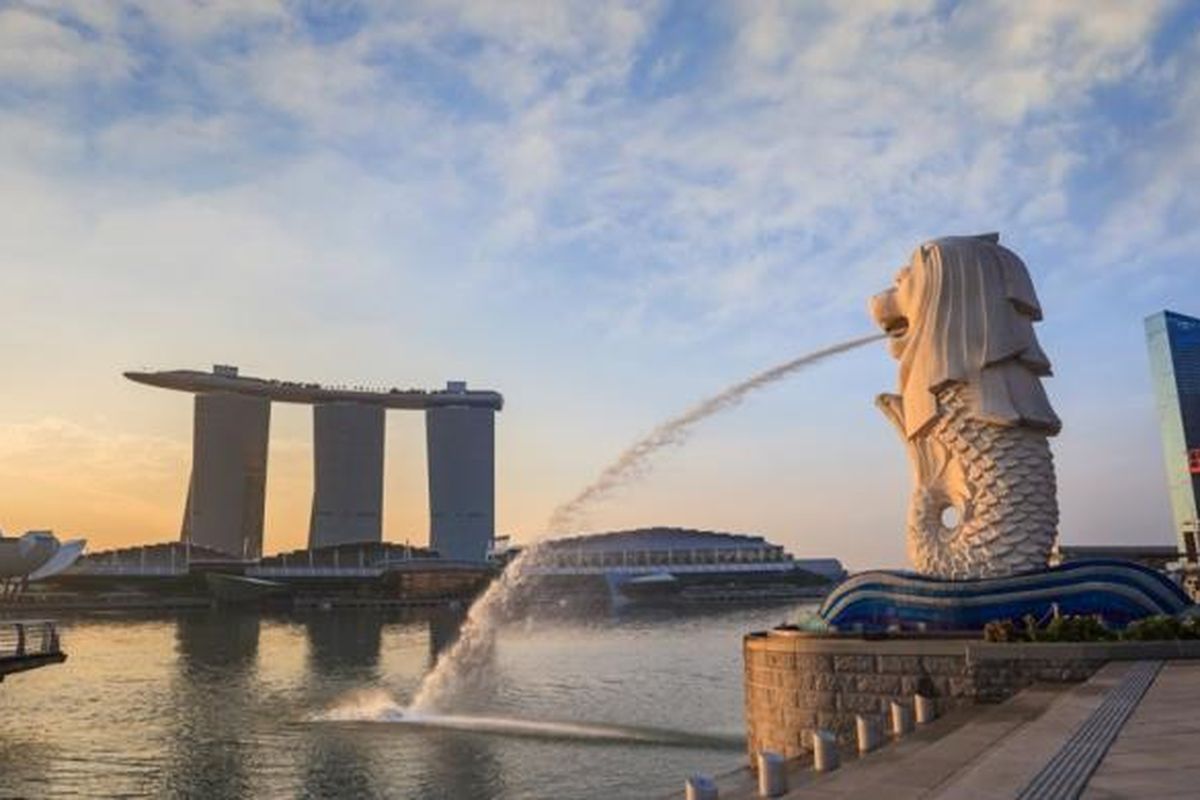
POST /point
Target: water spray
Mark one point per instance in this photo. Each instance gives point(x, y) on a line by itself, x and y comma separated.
point(633, 463)
point(460, 667)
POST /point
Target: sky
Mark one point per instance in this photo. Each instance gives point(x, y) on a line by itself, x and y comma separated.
point(606, 211)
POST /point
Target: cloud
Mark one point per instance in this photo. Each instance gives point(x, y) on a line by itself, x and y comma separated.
point(824, 135)
point(188, 21)
point(84, 479)
point(36, 447)
point(1148, 223)
point(381, 189)
point(38, 49)
point(126, 488)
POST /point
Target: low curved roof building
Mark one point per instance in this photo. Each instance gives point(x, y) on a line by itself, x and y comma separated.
point(682, 563)
point(662, 546)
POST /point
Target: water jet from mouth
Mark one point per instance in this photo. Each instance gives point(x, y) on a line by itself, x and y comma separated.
point(461, 666)
point(633, 463)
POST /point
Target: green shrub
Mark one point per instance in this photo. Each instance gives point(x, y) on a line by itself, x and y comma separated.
point(1073, 628)
point(1065, 628)
point(1161, 627)
point(1002, 631)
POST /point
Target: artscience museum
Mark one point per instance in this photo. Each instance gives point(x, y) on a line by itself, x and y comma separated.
point(35, 556)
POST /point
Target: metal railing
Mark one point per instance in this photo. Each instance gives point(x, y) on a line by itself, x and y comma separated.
point(304, 570)
point(594, 569)
point(666, 558)
point(155, 570)
point(26, 639)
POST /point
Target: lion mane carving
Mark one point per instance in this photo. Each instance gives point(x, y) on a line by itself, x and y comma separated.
point(971, 409)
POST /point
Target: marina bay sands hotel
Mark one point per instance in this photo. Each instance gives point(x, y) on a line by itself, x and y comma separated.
point(227, 490)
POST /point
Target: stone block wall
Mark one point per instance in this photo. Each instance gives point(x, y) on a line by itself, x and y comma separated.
point(796, 683)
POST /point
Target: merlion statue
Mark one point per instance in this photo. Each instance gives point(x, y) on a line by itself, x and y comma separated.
point(971, 409)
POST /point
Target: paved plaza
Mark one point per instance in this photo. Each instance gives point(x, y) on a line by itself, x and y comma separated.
point(1153, 754)
point(1036, 745)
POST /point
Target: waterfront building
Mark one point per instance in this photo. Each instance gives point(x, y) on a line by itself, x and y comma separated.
point(226, 494)
point(462, 482)
point(1174, 344)
point(677, 565)
point(33, 557)
point(25, 560)
point(227, 490)
point(183, 574)
point(347, 503)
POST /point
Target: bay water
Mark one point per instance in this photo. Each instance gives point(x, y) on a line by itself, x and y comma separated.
point(224, 704)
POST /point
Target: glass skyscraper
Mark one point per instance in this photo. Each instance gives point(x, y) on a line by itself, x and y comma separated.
point(1174, 342)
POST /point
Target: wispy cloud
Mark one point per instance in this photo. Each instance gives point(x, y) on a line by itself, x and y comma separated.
point(815, 135)
point(406, 183)
point(60, 473)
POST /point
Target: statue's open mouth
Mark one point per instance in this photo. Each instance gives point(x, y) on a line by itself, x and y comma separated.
point(896, 328)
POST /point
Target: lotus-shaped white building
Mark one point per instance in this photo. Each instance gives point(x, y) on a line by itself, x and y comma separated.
point(32, 557)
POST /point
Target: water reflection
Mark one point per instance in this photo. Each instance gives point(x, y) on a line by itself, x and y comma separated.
point(340, 764)
point(344, 655)
point(345, 643)
point(22, 762)
point(220, 705)
point(444, 624)
point(344, 647)
point(459, 766)
point(212, 687)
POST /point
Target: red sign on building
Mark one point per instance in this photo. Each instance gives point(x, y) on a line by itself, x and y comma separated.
point(1194, 461)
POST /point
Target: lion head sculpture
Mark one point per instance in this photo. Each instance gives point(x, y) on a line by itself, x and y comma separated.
point(971, 409)
point(962, 311)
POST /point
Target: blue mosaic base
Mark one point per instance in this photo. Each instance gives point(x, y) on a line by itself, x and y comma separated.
point(1118, 591)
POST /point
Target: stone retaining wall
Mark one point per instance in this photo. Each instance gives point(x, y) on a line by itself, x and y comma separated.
point(797, 682)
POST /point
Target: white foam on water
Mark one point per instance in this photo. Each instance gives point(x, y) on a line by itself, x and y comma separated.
point(368, 705)
point(378, 707)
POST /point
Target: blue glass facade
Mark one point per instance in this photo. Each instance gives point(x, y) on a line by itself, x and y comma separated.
point(1174, 342)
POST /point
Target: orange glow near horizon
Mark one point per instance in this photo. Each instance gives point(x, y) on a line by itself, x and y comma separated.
point(119, 490)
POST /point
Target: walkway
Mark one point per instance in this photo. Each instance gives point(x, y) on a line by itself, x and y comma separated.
point(28, 645)
point(1152, 756)
point(1044, 744)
